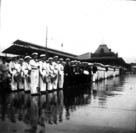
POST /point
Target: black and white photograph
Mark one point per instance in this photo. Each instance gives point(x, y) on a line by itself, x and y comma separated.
point(67, 66)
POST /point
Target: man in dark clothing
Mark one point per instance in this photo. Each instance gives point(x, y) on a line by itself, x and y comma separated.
point(67, 72)
point(4, 77)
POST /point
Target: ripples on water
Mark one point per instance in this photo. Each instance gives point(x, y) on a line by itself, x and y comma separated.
point(76, 104)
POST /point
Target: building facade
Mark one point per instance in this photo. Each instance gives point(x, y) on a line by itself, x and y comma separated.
point(106, 56)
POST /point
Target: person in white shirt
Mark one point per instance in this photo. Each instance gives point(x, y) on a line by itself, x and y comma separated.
point(34, 73)
point(26, 72)
point(61, 74)
point(19, 66)
point(56, 72)
point(13, 72)
point(43, 72)
point(50, 74)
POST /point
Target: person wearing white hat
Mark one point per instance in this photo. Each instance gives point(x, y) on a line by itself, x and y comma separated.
point(13, 72)
point(26, 71)
point(34, 73)
point(60, 73)
point(20, 74)
point(50, 74)
point(95, 73)
point(43, 73)
point(56, 72)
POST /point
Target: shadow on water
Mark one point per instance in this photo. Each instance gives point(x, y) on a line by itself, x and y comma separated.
point(54, 107)
point(74, 96)
point(5, 91)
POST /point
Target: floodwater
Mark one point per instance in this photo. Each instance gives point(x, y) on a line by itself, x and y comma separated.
point(107, 107)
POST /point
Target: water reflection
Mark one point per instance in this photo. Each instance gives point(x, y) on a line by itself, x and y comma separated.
point(76, 96)
point(57, 107)
point(103, 90)
point(47, 108)
point(3, 106)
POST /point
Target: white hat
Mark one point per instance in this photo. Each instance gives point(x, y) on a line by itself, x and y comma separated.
point(90, 64)
point(21, 59)
point(61, 59)
point(27, 57)
point(50, 58)
point(55, 57)
point(67, 59)
point(42, 55)
point(35, 53)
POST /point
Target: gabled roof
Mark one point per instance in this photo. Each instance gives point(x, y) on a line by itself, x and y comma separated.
point(104, 48)
point(20, 47)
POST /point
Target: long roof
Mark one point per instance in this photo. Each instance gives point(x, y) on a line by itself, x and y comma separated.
point(20, 47)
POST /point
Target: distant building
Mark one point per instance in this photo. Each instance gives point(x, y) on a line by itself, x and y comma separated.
point(104, 51)
point(105, 56)
point(133, 67)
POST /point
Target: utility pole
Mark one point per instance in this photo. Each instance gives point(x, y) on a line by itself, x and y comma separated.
point(0, 13)
point(46, 42)
point(0, 21)
point(62, 46)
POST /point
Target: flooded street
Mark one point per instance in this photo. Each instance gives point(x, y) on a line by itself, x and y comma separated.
point(108, 107)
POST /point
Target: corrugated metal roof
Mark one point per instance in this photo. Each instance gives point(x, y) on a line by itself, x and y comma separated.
point(20, 47)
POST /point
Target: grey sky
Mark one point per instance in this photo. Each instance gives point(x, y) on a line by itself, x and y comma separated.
point(81, 25)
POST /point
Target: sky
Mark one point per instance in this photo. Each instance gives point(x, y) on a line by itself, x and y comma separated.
point(81, 25)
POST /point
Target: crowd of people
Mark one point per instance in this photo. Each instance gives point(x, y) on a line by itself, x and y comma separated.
point(37, 73)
